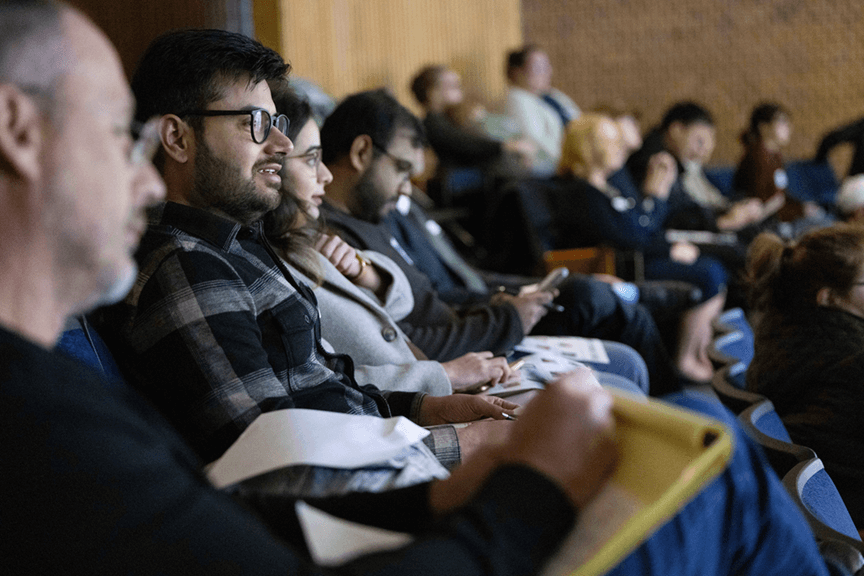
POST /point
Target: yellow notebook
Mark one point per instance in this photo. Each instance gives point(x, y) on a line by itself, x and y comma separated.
point(666, 455)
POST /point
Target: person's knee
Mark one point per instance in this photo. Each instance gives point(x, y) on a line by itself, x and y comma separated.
point(627, 362)
point(585, 292)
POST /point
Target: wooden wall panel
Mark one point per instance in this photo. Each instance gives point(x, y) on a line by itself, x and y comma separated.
point(729, 54)
point(131, 26)
point(351, 45)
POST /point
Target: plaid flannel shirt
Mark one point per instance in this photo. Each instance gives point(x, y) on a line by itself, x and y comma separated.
point(216, 331)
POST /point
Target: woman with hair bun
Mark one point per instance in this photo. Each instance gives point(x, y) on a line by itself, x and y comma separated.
point(808, 303)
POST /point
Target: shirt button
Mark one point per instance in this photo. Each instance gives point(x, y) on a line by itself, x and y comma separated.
point(389, 334)
point(307, 319)
point(644, 221)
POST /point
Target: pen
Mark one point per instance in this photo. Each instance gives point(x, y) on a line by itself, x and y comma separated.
point(508, 416)
point(553, 307)
point(516, 365)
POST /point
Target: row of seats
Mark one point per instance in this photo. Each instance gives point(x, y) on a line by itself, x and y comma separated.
point(802, 471)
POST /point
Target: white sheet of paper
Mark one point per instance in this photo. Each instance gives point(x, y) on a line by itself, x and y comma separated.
point(567, 348)
point(333, 541)
point(315, 437)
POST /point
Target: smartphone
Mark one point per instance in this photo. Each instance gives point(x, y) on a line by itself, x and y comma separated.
point(553, 279)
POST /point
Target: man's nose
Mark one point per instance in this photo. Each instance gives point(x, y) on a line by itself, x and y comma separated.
point(278, 143)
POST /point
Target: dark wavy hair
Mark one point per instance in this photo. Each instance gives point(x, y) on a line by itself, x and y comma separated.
point(291, 234)
point(189, 69)
point(764, 113)
point(687, 113)
point(425, 80)
point(375, 113)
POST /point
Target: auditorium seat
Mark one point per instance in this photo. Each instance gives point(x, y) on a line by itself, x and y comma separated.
point(815, 493)
point(764, 425)
point(729, 385)
point(736, 346)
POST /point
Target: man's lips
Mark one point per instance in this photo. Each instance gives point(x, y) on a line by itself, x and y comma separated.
point(270, 172)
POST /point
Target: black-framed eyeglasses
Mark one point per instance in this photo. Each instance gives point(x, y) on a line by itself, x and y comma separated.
point(402, 165)
point(260, 121)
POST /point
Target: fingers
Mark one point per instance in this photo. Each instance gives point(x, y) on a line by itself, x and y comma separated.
point(339, 253)
point(567, 432)
point(498, 370)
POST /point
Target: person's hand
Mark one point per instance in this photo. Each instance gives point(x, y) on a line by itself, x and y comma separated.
point(684, 252)
point(531, 307)
point(813, 210)
point(741, 214)
point(344, 258)
point(521, 146)
point(479, 436)
point(475, 368)
point(567, 433)
point(462, 408)
point(340, 254)
point(661, 174)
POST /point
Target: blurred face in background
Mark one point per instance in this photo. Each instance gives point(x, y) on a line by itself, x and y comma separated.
point(631, 135)
point(536, 75)
point(778, 132)
point(609, 148)
point(449, 88)
point(692, 143)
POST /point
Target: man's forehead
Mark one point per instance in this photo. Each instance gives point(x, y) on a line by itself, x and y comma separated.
point(96, 74)
point(242, 93)
point(403, 138)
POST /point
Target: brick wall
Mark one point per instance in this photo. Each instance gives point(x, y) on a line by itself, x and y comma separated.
point(806, 54)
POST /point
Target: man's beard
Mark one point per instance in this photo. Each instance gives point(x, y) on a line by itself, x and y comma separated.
point(219, 184)
point(367, 203)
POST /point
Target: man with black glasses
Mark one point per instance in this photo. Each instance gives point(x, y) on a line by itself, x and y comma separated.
point(217, 331)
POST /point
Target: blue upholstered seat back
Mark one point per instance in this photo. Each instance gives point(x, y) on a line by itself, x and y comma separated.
point(737, 345)
point(767, 421)
point(80, 341)
point(737, 375)
point(820, 496)
point(734, 319)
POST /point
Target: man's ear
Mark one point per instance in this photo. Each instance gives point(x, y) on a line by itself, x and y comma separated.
point(21, 139)
point(362, 152)
point(178, 138)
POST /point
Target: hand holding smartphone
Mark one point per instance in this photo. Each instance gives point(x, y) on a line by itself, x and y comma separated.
point(553, 279)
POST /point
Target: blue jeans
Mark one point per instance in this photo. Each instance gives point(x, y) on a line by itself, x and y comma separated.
point(626, 368)
point(742, 523)
point(593, 310)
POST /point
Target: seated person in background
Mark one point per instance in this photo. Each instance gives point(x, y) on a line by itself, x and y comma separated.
point(539, 110)
point(439, 90)
point(374, 295)
point(760, 172)
point(687, 132)
point(217, 330)
point(369, 175)
point(95, 481)
point(591, 211)
point(852, 133)
point(808, 300)
point(850, 199)
point(661, 169)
